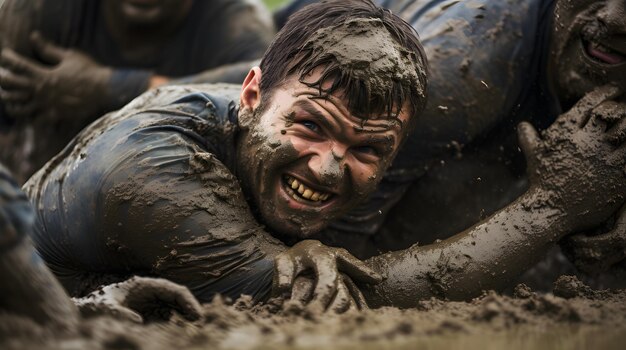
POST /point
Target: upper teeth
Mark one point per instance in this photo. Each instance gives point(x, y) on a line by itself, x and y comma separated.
point(600, 47)
point(305, 191)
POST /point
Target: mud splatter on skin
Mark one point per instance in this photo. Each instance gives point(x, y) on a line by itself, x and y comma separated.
point(275, 146)
point(578, 24)
point(571, 166)
point(365, 53)
point(462, 110)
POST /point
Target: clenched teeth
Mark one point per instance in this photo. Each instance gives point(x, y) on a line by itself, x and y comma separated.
point(305, 192)
point(601, 47)
point(604, 54)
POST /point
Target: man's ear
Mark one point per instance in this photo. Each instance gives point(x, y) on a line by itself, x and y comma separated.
point(250, 93)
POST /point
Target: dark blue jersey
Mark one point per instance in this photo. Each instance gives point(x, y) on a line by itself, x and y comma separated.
point(148, 191)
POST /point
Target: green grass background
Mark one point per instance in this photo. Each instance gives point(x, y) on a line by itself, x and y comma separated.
point(273, 4)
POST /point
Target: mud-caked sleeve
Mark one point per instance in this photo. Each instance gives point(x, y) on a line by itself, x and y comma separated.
point(155, 202)
point(177, 212)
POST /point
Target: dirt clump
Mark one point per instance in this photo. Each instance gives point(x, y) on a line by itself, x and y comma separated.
point(574, 315)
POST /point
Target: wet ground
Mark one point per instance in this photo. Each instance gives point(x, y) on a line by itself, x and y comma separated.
point(572, 317)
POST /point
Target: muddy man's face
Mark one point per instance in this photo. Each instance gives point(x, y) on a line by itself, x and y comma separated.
point(588, 46)
point(150, 12)
point(307, 160)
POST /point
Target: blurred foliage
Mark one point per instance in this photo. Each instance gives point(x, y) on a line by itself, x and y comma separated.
point(273, 4)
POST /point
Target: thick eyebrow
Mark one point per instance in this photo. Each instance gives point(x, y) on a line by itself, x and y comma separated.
point(387, 141)
point(317, 115)
point(382, 140)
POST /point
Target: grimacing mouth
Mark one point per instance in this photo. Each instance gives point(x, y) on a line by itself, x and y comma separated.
point(303, 193)
point(601, 53)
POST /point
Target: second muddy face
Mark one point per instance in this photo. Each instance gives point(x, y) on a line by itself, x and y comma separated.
point(148, 13)
point(305, 160)
point(588, 46)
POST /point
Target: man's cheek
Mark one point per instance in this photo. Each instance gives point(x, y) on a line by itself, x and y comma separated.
point(365, 179)
point(302, 146)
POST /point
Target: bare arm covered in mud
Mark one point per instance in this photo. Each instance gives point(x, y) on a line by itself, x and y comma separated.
point(577, 181)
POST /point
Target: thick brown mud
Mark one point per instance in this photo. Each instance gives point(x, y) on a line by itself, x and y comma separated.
point(363, 48)
point(573, 316)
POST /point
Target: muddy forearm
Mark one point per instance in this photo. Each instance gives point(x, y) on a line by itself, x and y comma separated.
point(489, 255)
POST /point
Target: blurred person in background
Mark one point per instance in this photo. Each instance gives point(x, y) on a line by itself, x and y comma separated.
point(64, 63)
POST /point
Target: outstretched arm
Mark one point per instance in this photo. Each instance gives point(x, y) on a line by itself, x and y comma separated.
point(577, 180)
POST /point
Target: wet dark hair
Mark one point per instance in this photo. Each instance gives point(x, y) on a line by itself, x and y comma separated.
point(290, 54)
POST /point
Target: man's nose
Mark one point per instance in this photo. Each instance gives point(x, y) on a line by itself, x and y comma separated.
point(614, 15)
point(329, 167)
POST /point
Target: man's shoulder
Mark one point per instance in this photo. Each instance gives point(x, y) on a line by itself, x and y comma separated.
point(218, 94)
point(183, 119)
point(202, 114)
point(476, 16)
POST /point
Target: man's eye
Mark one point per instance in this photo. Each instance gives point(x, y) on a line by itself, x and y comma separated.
point(311, 125)
point(367, 150)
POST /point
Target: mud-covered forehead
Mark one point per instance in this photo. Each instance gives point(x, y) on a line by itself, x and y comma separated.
point(362, 55)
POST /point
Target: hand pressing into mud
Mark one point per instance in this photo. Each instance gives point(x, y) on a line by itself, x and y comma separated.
point(578, 165)
point(141, 299)
point(598, 253)
point(322, 277)
point(66, 82)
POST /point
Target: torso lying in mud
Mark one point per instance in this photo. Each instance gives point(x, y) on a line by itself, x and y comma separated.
point(149, 190)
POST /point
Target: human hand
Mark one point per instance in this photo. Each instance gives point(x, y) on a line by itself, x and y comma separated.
point(578, 165)
point(67, 82)
point(331, 288)
point(141, 299)
point(598, 253)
